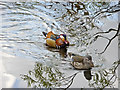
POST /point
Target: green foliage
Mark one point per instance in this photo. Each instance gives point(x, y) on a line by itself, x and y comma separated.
point(104, 77)
point(43, 76)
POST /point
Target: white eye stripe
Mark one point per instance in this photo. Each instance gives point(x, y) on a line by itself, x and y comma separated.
point(61, 36)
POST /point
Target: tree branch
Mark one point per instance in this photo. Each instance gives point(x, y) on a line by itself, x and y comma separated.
point(110, 40)
point(71, 81)
point(105, 32)
point(69, 76)
point(103, 37)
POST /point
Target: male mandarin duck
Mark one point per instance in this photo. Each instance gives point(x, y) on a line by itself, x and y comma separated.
point(81, 62)
point(56, 41)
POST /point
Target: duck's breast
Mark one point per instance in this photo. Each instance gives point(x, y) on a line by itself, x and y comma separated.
point(50, 42)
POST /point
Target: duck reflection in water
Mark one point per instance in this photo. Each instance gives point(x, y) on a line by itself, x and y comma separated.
point(87, 74)
point(62, 51)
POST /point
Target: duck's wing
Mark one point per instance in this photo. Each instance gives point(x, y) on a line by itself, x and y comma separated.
point(53, 37)
point(78, 58)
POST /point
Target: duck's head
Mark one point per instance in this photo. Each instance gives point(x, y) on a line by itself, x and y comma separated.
point(64, 39)
point(63, 36)
point(88, 60)
point(89, 57)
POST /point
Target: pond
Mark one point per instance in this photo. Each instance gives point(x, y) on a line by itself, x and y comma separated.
point(89, 26)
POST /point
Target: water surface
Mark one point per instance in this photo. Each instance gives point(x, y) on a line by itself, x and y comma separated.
point(21, 37)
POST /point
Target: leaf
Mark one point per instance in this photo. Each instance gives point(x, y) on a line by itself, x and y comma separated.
point(29, 84)
point(105, 73)
point(97, 76)
point(30, 72)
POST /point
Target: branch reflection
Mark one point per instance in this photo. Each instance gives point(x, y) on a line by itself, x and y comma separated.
point(48, 77)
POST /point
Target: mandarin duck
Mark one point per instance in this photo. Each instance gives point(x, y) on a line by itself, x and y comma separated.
point(56, 41)
point(81, 62)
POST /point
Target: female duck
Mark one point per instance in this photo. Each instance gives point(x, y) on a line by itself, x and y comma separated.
point(81, 62)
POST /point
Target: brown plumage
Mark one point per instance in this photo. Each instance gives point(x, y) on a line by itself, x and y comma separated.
point(84, 61)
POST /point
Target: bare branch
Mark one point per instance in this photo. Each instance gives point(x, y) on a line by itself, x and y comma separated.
point(69, 76)
point(71, 81)
point(105, 32)
point(103, 37)
point(110, 40)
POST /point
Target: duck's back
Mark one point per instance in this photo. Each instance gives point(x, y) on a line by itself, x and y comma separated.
point(78, 58)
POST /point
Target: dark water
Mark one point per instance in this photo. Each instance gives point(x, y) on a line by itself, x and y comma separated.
point(24, 22)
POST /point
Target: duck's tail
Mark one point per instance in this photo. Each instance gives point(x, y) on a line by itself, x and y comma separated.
point(44, 33)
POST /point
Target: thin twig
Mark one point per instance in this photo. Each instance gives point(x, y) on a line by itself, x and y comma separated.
point(69, 76)
point(113, 75)
point(103, 37)
point(71, 81)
